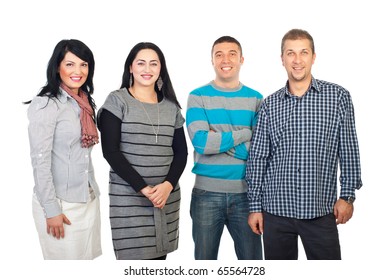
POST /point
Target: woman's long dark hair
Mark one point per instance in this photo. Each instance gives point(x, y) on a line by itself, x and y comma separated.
point(79, 49)
point(167, 89)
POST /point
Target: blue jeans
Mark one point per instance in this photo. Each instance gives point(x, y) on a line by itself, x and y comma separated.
point(210, 211)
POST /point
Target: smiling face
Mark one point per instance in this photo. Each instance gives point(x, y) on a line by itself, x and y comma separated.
point(298, 58)
point(145, 68)
point(227, 60)
point(73, 72)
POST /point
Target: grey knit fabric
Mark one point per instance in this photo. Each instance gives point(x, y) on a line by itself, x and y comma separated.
point(139, 230)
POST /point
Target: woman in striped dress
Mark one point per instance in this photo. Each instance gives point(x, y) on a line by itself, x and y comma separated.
point(143, 141)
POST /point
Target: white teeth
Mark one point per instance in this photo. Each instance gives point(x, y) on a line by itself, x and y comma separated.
point(226, 68)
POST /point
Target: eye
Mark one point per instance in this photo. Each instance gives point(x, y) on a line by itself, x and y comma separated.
point(69, 64)
point(84, 64)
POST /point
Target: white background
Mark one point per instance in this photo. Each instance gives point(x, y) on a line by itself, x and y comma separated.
point(351, 41)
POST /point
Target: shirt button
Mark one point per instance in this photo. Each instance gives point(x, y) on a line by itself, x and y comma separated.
point(86, 171)
point(86, 156)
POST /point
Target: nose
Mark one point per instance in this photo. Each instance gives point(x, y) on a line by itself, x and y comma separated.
point(225, 58)
point(297, 58)
point(147, 68)
point(77, 69)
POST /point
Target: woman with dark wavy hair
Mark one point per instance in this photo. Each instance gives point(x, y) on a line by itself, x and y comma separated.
point(62, 132)
point(143, 140)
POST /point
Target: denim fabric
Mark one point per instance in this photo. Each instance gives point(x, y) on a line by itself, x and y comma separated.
point(210, 211)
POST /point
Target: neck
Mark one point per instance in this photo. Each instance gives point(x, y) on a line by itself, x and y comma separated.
point(298, 88)
point(144, 94)
point(226, 83)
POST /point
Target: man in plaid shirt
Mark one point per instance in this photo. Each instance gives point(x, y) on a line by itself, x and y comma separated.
point(304, 131)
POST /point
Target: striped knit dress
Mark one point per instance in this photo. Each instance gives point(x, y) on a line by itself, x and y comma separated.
point(139, 230)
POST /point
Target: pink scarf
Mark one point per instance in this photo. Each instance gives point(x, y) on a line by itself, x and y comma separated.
point(89, 135)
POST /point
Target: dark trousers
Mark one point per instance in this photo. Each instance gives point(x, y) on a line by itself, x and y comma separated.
point(319, 237)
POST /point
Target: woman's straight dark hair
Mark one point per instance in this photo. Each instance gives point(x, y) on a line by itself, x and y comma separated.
point(167, 89)
point(79, 49)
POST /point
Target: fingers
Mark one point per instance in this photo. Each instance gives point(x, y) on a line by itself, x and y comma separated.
point(55, 226)
point(66, 220)
point(159, 203)
point(255, 229)
point(255, 222)
point(342, 220)
point(56, 232)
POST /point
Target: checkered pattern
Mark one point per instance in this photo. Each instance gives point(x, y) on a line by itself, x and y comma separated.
point(297, 146)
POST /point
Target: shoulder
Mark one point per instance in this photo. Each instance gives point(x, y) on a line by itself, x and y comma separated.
point(43, 107)
point(277, 95)
point(330, 88)
point(252, 92)
point(202, 89)
point(43, 103)
point(118, 94)
point(117, 97)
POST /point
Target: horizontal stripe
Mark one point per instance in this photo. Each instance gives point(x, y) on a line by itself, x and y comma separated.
point(144, 155)
point(228, 172)
point(220, 116)
point(127, 227)
point(148, 134)
point(226, 141)
point(146, 124)
point(134, 237)
point(140, 247)
point(211, 92)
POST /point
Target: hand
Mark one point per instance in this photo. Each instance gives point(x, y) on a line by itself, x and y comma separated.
point(255, 222)
point(147, 191)
point(160, 194)
point(55, 225)
point(343, 211)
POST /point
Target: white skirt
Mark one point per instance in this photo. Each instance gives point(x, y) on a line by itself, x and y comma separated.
point(82, 239)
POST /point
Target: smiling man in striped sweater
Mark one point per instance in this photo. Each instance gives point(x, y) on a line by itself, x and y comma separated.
point(220, 118)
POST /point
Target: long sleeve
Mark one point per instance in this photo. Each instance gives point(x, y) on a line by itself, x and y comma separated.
point(42, 115)
point(206, 137)
point(110, 128)
point(180, 151)
point(257, 161)
point(350, 169)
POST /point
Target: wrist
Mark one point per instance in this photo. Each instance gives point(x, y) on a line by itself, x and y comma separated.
point(348, 199)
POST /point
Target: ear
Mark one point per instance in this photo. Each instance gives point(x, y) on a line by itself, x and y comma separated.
point(313, 58)
point(241, 60)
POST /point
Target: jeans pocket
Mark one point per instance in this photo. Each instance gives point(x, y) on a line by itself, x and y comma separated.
point(199, 192)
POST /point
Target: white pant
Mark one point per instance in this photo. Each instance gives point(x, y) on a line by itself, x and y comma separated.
point(82, 239)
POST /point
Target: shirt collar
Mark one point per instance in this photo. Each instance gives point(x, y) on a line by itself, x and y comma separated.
point(313, 87)
point(63, 96)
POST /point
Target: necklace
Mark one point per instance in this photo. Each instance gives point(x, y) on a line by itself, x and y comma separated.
point(156, 131)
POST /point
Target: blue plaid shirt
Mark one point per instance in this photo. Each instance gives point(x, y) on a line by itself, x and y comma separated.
point(295, 151)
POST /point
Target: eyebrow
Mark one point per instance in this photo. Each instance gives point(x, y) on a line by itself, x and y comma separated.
point(230, 51)
point(154, 60)
point(71, 61)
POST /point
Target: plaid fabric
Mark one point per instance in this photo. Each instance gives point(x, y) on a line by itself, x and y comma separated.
point(297, 146)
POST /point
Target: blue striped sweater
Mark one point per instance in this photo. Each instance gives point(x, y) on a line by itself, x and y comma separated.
point(220, 124)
